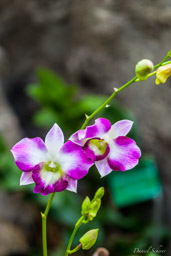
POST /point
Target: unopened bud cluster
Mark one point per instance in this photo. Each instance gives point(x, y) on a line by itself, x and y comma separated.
point(90, 208)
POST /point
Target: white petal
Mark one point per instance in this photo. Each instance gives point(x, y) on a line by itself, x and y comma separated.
point(103, 167)
point(72, 185)
point(120, 128)
point(26, 178)
point(54, 140)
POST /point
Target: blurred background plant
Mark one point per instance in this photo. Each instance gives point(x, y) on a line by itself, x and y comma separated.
point(63, 104)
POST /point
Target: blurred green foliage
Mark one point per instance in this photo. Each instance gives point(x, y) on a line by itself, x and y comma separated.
point(59, 102)
point(9, 174)
point(63, 104)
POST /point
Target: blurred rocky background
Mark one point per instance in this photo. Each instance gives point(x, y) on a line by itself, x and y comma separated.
point(93, 43)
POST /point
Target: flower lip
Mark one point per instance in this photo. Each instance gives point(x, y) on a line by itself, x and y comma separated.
point(49, 180)
point(96, 149)
point(46, 187)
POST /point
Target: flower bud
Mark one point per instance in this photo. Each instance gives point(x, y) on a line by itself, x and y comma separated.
point(99, 193)
point(91, 208)
point(143, 68)
point(89, 239)
point(163, 73)
point(85, 205)
point(94, 208)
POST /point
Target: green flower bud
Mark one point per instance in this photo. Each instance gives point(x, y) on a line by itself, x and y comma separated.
point(94, 208)
point(89, 239)
point(143, 68)
point(99, 193)
point(85, 205)
point(90, 208)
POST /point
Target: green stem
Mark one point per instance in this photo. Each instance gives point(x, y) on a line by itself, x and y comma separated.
point(165, 63)
point(75, 249)
point(88, 118)
point(162, 62)
point(149, 75)
point(44, 218)
point(77, 225)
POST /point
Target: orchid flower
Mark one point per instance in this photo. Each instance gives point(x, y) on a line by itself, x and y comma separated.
point(108, 145)
point(52, 165)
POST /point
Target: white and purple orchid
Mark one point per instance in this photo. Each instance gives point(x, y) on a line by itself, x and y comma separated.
point(108, 145)
point(52, 165)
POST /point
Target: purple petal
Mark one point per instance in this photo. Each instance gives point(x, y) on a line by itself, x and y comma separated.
point(73, 161)
point(29, 152)
point(124, 154)
point(38, 188)
point(103, 167)
point(36, 173)
point(72, 185)
point(120, 128)
point(54, 140)
point(100, 127)
point(26, 178)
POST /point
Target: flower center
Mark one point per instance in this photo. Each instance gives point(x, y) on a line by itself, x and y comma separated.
point(99, 146)
point(52, 167)
point(51, 172)
point(96, 149)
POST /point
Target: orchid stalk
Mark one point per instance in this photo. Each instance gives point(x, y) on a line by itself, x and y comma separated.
point(55, 166)
point(44, 218)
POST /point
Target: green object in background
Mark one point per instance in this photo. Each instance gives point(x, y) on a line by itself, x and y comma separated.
point(136, 185)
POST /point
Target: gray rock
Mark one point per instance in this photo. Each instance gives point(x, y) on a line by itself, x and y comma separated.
point(12, 240)
point(17, 222)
